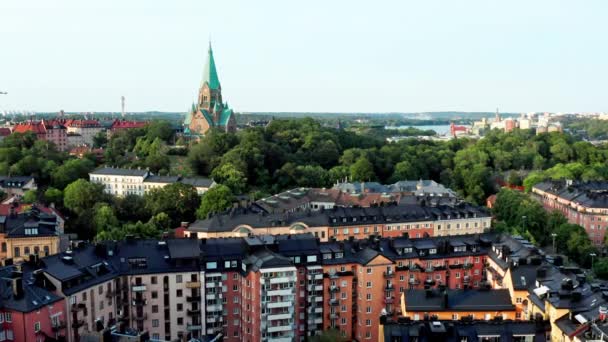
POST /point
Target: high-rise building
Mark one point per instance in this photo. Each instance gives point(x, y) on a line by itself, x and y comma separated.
point(209, 111)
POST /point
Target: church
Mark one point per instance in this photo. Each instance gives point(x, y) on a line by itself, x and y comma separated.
point(209, 111)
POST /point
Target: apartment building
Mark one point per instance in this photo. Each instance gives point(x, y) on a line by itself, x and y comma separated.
point(49, 130)
point(258, 288)
point(30, 230)
point(17, 185)
point(121, 182)
point(342, 223)
point(86, 129)
point(365, 194)
point(582, 203)
point(458, 331)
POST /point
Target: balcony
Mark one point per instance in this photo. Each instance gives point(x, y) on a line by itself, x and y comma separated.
point(285, 292)
point(389, 300)
point(414, 281)
point(193, 285)
point(333, 315)
point(209, 285)
point(314, 310)
point(110, 294)
point(193, 327)
point(140, 316)
point(312, 321)
point(213, 308)
point(139, 302)
point(138, 288)
point(318, 276)
point(389, 287)
point(467, 265)
point(78, 307)
point(315, 287)
point(280, 280)
point(429, 269)
point(214, 319)
point(193, 298)
point(279, 328)
point(272, 305)
point(334, 302)
point(193, 312)
point(279, 316)
point(313, 299)
point(59, 325)
point(333, 288)
point(389, 274)
point(467, 279)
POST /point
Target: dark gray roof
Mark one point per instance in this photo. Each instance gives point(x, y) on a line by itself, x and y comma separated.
point(34, 296)
point(337, 217)
point(14, 181)
point(592, 194)
point(458, 300)
point(198, 182)
point(114, 171)
point(456, 331)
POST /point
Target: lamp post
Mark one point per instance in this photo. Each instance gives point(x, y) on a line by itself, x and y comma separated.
point(523, 218)
point(592, 255)
point(553, 235)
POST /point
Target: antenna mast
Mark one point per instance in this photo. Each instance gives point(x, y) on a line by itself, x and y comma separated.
point(122, 100)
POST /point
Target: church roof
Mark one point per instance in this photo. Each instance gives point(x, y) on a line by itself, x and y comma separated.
point(210, 73)
point(225, 117)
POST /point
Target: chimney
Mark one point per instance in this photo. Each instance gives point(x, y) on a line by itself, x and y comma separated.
point(17, 284)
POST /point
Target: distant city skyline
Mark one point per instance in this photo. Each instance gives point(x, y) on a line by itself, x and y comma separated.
point(339, 56)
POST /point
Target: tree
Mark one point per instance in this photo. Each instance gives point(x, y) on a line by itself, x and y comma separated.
point(179, 201)
point(228, 175)
point(130, 208)
point(404, 171)
point(104, 218)
point(70, 171)
point(362, 170)
point(514, 178)
point(600, 268)
point(532, 179)
point(100, 139)
point(216, 199)
point(30, 197)
point(81, 195)
point(52, 195)
point(161, 221)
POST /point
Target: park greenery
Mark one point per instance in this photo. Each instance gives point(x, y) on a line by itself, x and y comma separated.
point(258, 161)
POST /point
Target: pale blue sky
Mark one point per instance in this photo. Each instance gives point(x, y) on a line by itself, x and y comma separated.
point(338, 56)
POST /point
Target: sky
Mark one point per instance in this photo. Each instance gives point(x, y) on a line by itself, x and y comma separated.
point(306, 56)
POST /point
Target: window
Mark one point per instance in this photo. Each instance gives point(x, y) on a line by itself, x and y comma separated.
point(454, 316)
point(368, 322)
point(17, 252)
point(179, 293)
point(369, 284)
point(235, 287)
point(457, 275)
point(180, 307)
point(155, 323)
point(8, 317)
point(154, 308)
point(311, 258)
point(37, 326)
point(212, 265)
point(343, 321)
point(369, 270)
point(368, 334)
point(369, 296)
point(153, 280)
point(180, 320)
point(344, 294)
point(178, 278)
point(154, 294)
point(368, 309)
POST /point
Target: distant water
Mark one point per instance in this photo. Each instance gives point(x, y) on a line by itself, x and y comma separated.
point(440, 129)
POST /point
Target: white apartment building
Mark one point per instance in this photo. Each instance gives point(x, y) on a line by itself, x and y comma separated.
point(121, 182)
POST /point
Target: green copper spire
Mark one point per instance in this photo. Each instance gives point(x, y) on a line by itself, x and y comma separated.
point(210, 73)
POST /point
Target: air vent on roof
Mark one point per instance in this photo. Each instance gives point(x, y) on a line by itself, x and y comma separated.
point(162, 243)
point(67, 259)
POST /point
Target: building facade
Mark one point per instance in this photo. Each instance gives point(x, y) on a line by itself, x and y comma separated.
point(209, 111)
point(121, 182)
point(86, 129)
point(342, 223)
point(582, 203)
point(49, 130)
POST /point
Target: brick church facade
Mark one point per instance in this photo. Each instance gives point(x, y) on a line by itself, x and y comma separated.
point(209, 111)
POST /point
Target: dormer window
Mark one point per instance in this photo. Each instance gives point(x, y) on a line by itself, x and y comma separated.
point(326, 256)
point(407, 250)
point(339, 255)
point(31, 231)
point(460, 249)
point(433, 251)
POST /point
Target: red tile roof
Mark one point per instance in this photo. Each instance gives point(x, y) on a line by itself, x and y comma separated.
point(120, 124)
point(30, 126)
point(82, 123)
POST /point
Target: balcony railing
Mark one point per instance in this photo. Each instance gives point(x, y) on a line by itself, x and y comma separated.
point(192, 312)
point(389, 300)
point(333, 288)
point(334, 302)
point(193, 298)
point(139, 301)
point(140, 316)
point(60, 325)
point(193, 285)
point(138, 287)
point(389, 287)
point(389, 274)
point(193, 327)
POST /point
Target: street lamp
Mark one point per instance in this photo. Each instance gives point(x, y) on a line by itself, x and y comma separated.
point(523, 218)
point(553, 235)
point(592, 255)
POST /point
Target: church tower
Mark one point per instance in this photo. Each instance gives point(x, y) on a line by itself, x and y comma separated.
point(209, 111)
